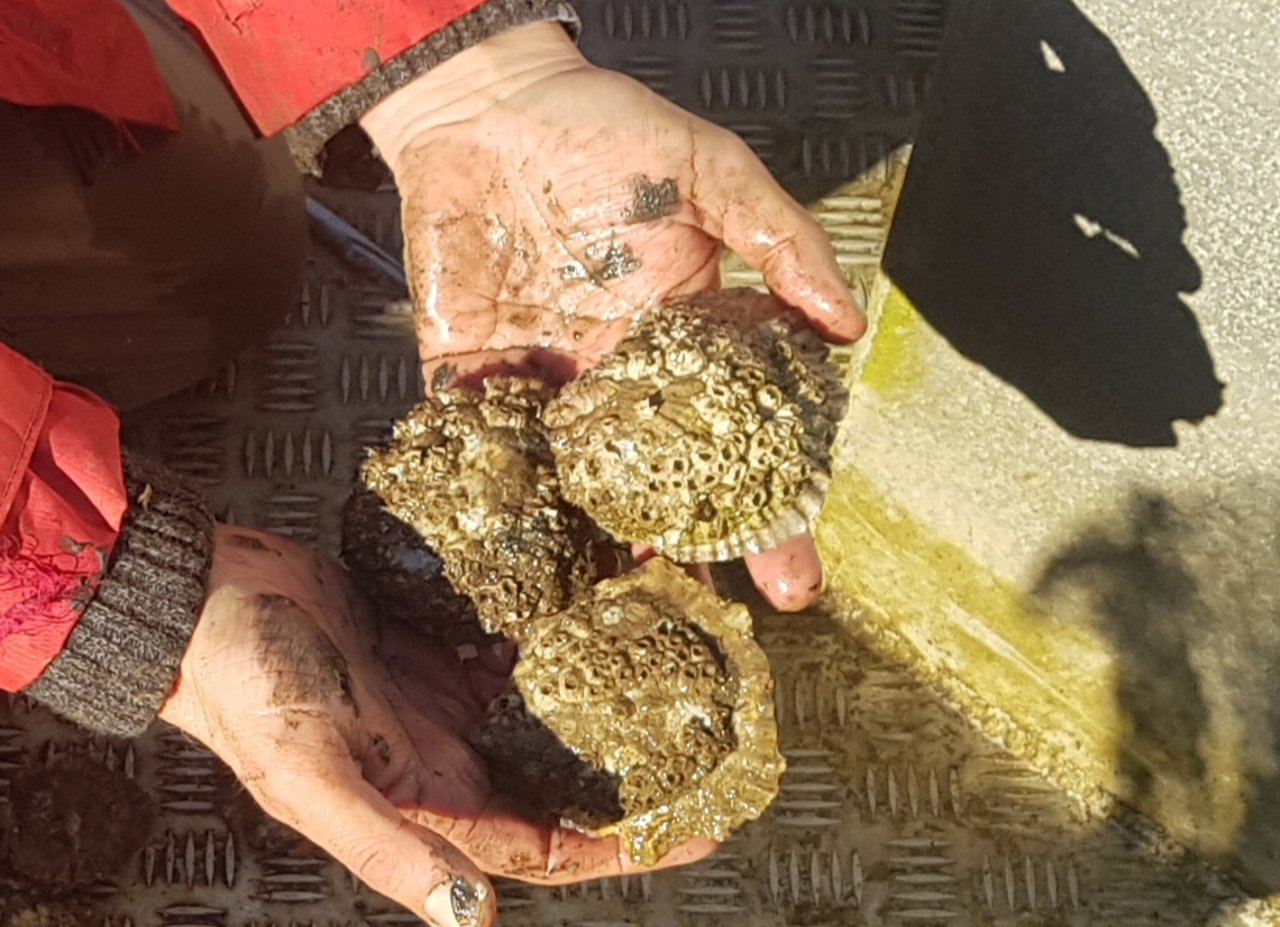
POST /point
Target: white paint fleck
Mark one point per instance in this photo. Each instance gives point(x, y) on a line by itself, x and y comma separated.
point(1051, 59)
point(1091, 229)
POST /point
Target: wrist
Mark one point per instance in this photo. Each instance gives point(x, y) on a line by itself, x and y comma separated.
point(468, 84)
point(119, 664)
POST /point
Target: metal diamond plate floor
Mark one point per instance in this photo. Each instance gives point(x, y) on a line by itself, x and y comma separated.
point(893, 811)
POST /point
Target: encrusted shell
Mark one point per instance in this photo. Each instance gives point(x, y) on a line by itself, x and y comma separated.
point(652, 679)
point(707, 433)
point(396, 570)
point(471, 472)
point(640, 706)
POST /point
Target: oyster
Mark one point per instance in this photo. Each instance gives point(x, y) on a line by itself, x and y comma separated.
point(396, 570)
point(471, 472)
point(707, 432)
point(538, 773)
point(654, 680)
point(641, 705)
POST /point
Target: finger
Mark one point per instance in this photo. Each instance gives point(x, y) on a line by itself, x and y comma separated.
point(544, 853)
point(575, 857)
point(743, 205)
point(701, 572)
point(608, 560)
point(789, 575)
point(338, 810)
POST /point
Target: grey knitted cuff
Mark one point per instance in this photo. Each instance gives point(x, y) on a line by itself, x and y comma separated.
point(122, 657)
point(307, 136)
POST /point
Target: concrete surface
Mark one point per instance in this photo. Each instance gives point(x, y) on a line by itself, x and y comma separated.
point(1057, 494)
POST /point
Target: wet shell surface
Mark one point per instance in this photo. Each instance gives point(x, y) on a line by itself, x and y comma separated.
point(654, 680)
point(707, 433)
point(472, 473)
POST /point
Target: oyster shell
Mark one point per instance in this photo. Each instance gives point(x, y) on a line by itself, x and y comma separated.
point(640, 706)
point(472, 473)
point(540, 774)
point(707, 432)
point(653, 680)
point(394, 568)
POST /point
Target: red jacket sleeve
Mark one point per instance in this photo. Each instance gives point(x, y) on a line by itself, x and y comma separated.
point(62, 502)
point(86, 53)
point(285, 57)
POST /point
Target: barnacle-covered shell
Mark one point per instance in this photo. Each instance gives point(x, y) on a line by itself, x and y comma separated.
point(401, 575)
point(471, 472)
point(652, 679)
point(538, 773)
point(707, 432)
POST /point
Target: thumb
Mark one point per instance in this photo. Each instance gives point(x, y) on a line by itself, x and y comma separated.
point(356, 824)
point(745, 207)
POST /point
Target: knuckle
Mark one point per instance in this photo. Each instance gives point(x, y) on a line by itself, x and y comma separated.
point(738, 155)
point(375, 862)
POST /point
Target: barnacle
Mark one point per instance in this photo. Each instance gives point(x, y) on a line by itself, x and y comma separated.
point(643, 710)
point(393, 566)
point(654, 680)
point(707, 432)
point(471, 472)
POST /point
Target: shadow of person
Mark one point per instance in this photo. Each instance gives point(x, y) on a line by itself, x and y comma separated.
point(1040, 227)
point(1186, 590)
point(1144, 599)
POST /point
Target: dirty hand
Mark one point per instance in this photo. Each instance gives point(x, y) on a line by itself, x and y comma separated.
point(546, 202)
point(352, 737)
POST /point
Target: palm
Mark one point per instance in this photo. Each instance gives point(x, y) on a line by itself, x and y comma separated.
point(548, 220)
point(434, 698)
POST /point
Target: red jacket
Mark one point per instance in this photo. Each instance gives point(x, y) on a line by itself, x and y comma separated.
point(62, 497)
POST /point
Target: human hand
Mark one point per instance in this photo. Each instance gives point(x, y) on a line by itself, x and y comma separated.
point(349, 732)
point(546, 202)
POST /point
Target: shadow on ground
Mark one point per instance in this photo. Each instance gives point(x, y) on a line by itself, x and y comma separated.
point(1187, 592)
point(1040, 228)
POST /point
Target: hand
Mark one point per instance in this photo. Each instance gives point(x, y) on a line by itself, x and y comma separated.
point(349, 733)
point(546, 202)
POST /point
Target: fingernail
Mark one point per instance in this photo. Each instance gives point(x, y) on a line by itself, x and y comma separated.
point(553, 852)
point(786, 595)
point(782, 595)
point(456, 903)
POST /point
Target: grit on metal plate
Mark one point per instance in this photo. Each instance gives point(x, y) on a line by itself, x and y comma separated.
point(892, 811)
